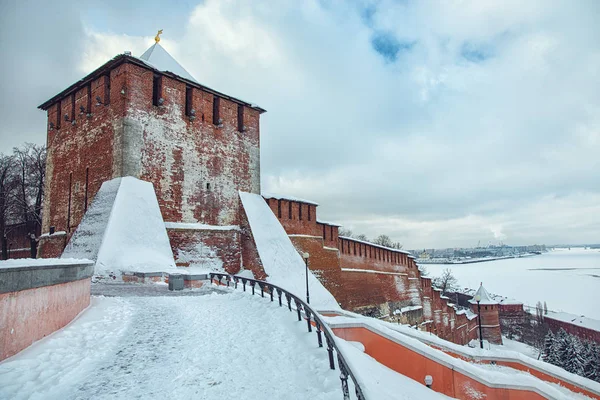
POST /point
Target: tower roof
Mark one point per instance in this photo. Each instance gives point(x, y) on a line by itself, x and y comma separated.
point(486, 299)
point(159, 58)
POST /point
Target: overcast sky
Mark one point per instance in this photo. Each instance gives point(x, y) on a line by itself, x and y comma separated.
point(441, 124)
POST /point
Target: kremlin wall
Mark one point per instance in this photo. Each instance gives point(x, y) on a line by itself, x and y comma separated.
point(149, 118)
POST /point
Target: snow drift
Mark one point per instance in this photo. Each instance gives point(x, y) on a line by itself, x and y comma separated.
point(123, 230)
point(280, 259)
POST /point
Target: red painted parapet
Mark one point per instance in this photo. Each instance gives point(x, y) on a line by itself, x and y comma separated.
point(455, 377)
point(39, 299)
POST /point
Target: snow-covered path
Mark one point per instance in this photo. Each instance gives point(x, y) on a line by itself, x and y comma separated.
point(175, 347)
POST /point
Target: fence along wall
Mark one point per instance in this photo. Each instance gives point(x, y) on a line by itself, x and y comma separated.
point(50, 293)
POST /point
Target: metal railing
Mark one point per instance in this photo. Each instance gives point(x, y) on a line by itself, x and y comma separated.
point(321, 328)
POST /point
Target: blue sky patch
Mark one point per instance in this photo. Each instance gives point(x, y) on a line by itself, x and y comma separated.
point(388, 46)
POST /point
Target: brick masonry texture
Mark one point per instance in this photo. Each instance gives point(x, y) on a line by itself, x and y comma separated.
point(214, 250)
point(109, 126)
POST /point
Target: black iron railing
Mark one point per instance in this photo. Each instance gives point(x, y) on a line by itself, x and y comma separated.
point(311, 315)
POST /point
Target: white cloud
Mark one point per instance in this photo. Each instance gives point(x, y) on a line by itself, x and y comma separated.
point(486, 127)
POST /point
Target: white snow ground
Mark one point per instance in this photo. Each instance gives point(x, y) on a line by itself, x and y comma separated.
point(519, 347)
point(215, 346)
point(281, 261)
point(568, 280)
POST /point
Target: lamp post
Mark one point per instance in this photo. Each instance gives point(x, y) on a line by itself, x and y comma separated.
point(305, 257)
point(477, 298)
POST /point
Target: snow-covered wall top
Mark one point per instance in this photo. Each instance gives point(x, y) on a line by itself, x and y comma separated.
point(290, 198)
point(124, 231)
point(376, 245)
point(281, 261)
point(42, 262)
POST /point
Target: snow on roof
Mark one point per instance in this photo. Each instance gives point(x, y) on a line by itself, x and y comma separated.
point(376, 245)
point(281, 261)
point(160, 59)
point(508, 301)
point(123, 230)
point(320, 221)
point(578, 320)
point(486, 299)
point(468, 313)
point(289, 198)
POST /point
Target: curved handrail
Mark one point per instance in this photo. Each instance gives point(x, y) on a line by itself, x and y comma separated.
point(321, 327)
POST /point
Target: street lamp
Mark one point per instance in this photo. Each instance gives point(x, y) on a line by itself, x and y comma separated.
point(428, 381)
point(477, 298)
point(305, 257)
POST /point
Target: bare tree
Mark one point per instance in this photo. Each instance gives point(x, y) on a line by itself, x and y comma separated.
point(446, 283)
point(383, 240)
point(362, 237)
point(30, 165)
point(6, 199)
point(345, 232)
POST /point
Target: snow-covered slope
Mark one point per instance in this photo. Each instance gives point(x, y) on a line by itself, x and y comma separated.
point(282, 263)
point(86, 241)
point(123, 230)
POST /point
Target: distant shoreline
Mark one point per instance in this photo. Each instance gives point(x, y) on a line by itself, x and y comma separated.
point(473, 260)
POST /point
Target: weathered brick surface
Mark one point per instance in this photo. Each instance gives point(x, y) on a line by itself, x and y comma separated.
point(324, 263)
point(214, 250)
point(51, 246)
point(196, 164)
point(250, 257)
point(80, 147)
point(490, 322)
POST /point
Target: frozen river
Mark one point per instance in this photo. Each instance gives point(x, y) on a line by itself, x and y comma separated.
point(568, 280)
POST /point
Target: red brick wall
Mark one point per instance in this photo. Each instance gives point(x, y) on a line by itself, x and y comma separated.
point(581, 332)
point(210, 249)
point(490, 322)
point(324, 263)
point(82, 145)
point(51, 246)
point(250, 257)
point(196, 166)
point(296, 222)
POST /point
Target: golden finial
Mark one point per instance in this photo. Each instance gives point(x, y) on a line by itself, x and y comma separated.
point(157, 37)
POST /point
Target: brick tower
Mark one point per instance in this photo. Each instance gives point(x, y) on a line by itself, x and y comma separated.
point(147, 117)
point(488, 310)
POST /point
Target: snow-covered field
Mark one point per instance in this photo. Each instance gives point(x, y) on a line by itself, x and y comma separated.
point(214, 346)
point(568, 280)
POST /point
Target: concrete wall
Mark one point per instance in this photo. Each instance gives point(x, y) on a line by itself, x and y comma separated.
point(38, 300)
